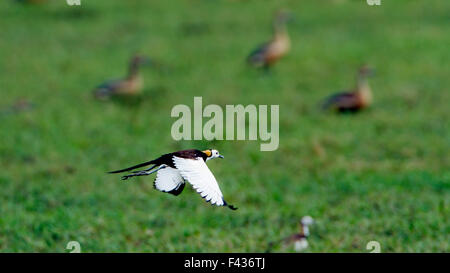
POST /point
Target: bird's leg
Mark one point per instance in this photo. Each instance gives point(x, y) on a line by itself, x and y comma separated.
point(144, 172)
point(266, 69)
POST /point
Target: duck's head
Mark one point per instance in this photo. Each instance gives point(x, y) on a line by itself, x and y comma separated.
point(283, 17)
point(366, 71)
point(212, 153)
point(138, 60)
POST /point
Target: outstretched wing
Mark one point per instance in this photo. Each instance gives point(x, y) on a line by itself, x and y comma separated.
point(203, 181)
point(169, 180)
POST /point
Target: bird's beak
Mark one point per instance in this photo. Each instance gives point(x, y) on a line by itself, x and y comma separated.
point(221, 156)
point(291, 17)
point(146, 61)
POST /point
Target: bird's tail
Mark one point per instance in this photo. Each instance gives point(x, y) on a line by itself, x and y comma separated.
point(102, 93)
point(134, 167)
point(327, 103)
point(256, 60)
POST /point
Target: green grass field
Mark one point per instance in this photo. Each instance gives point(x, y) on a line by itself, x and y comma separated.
point(382, 175)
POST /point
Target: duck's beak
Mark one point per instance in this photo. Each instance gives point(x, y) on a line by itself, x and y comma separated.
point(147, 61)
point(291, 17)
point(221, 156)
point(144, 61)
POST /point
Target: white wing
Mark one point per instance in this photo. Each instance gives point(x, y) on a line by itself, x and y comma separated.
point(198, 174)
point(168, 179)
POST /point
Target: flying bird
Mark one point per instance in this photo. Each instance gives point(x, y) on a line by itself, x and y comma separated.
point(354, 100)
point(270, 52)
point(298, 239)
point(131, 85)
point(173, 169)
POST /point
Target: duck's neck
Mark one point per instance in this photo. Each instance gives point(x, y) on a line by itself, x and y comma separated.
point(133, 71)
point(364, 89)
point(280, 30)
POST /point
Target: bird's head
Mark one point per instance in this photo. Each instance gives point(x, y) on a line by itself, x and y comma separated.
point(211, 153)
point(366, 71)
point(307, 220)
point(138, 60)
point(283, 16)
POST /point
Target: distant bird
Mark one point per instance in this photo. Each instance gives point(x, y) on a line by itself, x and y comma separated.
point(127, 87)
point(298, 239)
point(354, 100)
point(270, 52)
point(174, 168)
point(19, 106)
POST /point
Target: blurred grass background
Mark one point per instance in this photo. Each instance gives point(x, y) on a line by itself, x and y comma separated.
point(381, 175)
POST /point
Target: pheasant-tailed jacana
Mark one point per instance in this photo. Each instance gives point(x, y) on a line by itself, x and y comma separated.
point(270, 52)
point(129, 86)
point(174, 168)
point(354, 100)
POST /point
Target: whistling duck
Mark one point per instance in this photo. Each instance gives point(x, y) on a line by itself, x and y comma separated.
point(298, 239)
point(355, 100)
point(267, 54)
point(129, 86)
point(20, 105)
point(174, 168)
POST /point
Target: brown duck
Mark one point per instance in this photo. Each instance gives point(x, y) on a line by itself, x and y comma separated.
point(354, 100)
point(129, 86)
point(270, 52)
